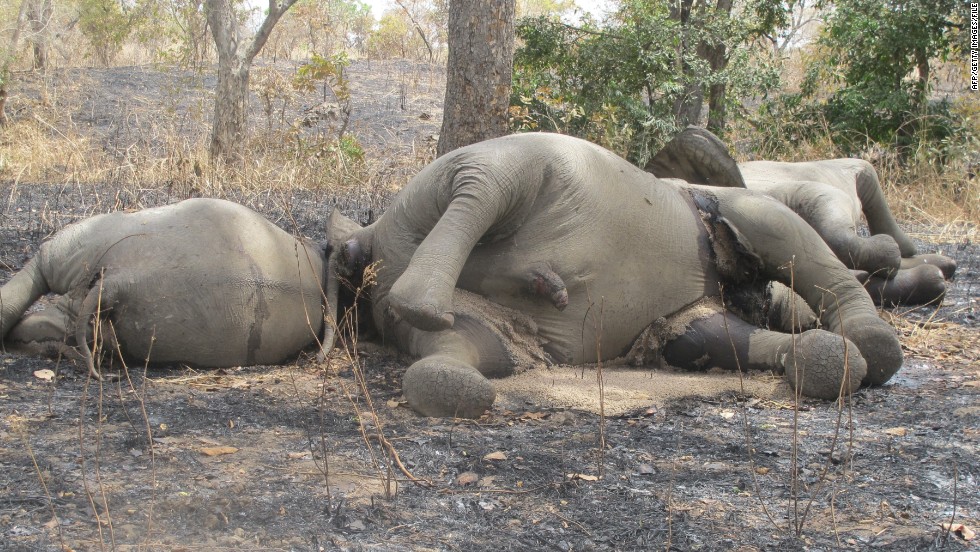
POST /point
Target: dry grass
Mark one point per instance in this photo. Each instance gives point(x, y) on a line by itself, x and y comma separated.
point(918, 190)
point(36, 150)
point(148, 128)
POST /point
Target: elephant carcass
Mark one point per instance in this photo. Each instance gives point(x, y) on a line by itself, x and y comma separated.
point(593, 250)
point(205, 282)
point(831, 195)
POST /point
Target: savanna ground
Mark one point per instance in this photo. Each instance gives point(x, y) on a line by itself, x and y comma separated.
point(302, 457)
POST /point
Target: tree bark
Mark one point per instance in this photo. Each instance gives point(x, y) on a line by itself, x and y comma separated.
point(228, 131)
point(40, 16)
point(479, 71)
point(687, 106)
point(6, 60)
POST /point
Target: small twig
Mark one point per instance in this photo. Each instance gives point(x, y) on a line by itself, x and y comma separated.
point(398, 461)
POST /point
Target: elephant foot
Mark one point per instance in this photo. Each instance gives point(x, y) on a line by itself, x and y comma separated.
point(878, 345)
point(443, 386)
point(418, 306)
point(817, 363)
point(921, 285)
point(822, 365)
point(879, 255)
point(944, 263)
point(547, 283)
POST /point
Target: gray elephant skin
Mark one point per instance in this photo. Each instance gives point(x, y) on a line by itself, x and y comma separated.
point(594, 252)
point(204, 282)
point(831, 195)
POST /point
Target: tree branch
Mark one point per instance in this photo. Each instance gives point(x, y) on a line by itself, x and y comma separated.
point(418, 28)
point(275, 12)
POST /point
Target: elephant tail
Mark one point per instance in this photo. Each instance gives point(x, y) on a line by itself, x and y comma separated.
point(880, 219)
point(18, 294)
point(331, 308)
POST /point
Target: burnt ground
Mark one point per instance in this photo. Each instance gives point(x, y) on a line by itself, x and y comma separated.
point(291, 457)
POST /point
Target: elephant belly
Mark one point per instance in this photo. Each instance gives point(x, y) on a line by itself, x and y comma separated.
point(629, 265)
point(219, 325)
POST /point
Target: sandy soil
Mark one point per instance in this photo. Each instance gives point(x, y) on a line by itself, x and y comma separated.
point(309, 457)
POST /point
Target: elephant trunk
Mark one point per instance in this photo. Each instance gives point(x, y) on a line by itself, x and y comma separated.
point(880, 219)
point(17, 295)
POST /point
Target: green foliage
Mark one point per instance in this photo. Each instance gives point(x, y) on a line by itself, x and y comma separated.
point(349, 149)
point(105, 24)
point(392, 37)
point(617, 84)
point(328, 71)
point(870, 79)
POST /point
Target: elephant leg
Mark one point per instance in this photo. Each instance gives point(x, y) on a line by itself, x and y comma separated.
point(484, 203)
point(19, 293)
point(88, 327)
point(791, 252)
point(422, 295)
point(921, 285)
point(816, 363)
point(945, 264)
point(825, 209)
point(876, 211)
point(450, 378)
point(44, 333)
point(445, 382)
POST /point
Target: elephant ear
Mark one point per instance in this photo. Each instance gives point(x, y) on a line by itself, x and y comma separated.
point(340, 230)
point(697, 156)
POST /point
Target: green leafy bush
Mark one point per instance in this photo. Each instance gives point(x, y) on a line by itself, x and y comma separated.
point(623, 84)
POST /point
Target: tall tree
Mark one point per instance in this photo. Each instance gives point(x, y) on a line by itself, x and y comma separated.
point(234, 63)
point(700, 23)
point(39, 13)
point(478, 80)
point(7, 58)
point(884, 75)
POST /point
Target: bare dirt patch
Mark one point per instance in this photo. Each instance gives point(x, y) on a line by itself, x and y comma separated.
point(293, 458)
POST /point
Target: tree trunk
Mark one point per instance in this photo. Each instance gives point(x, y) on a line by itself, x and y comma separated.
point(230, 110)
point(6, 60)
point(717, 57)
point(922, 84)
point(228, 131)
point(478, 80)
point(687, 106)
point(40, 17)
point(716, 108)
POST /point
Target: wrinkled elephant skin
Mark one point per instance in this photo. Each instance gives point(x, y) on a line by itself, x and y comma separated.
point(594, 251)
point(204, 282)
point(830, 195)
